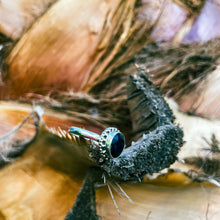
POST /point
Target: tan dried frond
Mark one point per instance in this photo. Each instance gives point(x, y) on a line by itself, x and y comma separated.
point(122, 36)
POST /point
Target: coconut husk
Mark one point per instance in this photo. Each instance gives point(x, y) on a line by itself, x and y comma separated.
point(187, 73)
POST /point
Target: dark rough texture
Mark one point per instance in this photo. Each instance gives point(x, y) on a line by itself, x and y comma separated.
point(5, 47)
point(193, 5)
point(178, 70)
point(85, 205)
point(147, 107)
point(154, 152)
point(161, 139)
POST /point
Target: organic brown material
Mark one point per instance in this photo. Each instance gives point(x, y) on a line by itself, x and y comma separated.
point(159, 200)
point(51, 169)
point(188, 73)
point(44, 182)
point(83, 46)
point(160, 144)
point(72, 55)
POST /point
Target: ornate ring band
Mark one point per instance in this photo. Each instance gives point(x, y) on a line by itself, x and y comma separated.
point(111, 139)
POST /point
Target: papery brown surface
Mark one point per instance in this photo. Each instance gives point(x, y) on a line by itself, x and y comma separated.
point(158, 201)
point(72, 55)
point(44, 181)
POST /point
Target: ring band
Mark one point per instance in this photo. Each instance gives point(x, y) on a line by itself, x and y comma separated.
point(111, 139)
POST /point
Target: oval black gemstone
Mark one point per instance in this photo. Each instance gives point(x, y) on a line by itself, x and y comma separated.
point(117, 145)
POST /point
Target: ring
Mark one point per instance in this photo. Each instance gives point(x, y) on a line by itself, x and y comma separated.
point(111, 139)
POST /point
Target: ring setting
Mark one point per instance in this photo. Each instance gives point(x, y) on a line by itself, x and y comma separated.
point(111, 141)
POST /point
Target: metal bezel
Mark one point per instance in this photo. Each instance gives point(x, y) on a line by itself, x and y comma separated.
point(106, 138)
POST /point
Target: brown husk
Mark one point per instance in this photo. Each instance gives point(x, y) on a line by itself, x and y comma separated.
point(187, 73)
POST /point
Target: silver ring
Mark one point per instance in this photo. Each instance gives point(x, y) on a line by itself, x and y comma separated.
point(111, 139)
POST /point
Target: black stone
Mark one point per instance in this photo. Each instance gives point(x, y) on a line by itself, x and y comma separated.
point(117, 145)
